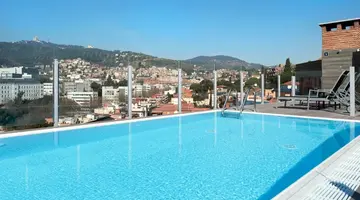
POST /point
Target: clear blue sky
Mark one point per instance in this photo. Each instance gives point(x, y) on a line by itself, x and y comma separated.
point(261, 31)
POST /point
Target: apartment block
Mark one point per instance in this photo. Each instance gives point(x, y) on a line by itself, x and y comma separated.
point(10, 88)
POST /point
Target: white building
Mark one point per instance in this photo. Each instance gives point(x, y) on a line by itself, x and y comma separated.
point(139, 90)
point(11, 70)
point(123, 90)
point(10, 88)
point(47, 89)
point(114, 95)
point(14, 73)
point(110, 94)
point(83, 98)
point(175, 100)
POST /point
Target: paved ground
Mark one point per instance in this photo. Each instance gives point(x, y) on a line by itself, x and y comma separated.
point(302, 111)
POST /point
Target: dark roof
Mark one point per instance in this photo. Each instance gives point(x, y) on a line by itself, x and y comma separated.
point(339, 21)
point(23, 81)
point(309, 66)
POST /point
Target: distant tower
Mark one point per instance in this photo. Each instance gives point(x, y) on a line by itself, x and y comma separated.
point(36, 39)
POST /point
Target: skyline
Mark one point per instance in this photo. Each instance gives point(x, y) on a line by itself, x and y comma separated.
point(251, 31)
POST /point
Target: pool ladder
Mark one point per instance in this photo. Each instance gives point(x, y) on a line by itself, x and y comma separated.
point(240, 108)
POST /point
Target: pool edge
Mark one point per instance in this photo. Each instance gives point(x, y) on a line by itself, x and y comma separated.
point(92, 125)
point(292, 190)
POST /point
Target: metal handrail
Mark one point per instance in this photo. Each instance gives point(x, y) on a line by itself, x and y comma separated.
point(244, 100)
point(224, 106)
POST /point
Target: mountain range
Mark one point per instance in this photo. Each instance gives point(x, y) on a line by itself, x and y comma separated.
point(30, 53)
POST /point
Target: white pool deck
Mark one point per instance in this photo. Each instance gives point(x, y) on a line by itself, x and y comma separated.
point(338, 177)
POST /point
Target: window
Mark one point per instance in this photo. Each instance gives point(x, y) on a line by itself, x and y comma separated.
point(347, 25)
point(331, 27)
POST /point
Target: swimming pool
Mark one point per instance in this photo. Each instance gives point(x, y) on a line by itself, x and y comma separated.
point(197, 156)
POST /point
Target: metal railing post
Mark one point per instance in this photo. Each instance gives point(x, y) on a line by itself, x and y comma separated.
point(179, 90)
point(130, 91)
point(241, 87)
point(278, 86)
point(56, 93)
point(352, 91)
point(293, 85)
point(254, 100)
point(215, 89)
point(262, 88)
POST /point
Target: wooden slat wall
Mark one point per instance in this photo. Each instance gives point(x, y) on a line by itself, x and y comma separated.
point(334, 64)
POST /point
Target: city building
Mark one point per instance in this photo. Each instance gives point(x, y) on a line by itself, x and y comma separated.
point(84, 99)
point(10, 88)
point(12, 70)
point(114, 95)
point(169, 109)
point(110, 94)
point(76, 86)
point(68, 87)
point(340, 50)
point(140, 90)
point(47, 89)
point(123, 90)
point(14, 73)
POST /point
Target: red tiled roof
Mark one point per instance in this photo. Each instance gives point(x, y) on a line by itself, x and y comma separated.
point(289, 83)
point(185, 107)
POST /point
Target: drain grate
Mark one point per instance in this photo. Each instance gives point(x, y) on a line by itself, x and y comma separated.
point(342, 182)
point(290, 146)
point(209, 131)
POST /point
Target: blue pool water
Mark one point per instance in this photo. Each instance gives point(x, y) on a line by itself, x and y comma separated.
point(202, 156)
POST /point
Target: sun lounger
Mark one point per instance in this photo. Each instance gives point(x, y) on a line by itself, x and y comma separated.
point(320, 96)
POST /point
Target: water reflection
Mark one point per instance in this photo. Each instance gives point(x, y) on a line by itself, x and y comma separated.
point(78, 162)
point(215, 128)
point(26, 177)
point(262, 124)
point(352, 130)
point(130, 147)
point(242, 129)
point(180, 136)
point(279, 123)
point(56, 138)
point(293, 124)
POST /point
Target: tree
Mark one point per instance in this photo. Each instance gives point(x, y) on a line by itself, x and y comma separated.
point(18, 99)
point(288, 71)
point(109, 82)
point(44, 79)
point(225, 83)
point(206, 85)
point(195, 87)
point(287, 67)
point(95, 86)
point(251, 82)
point(122, 83)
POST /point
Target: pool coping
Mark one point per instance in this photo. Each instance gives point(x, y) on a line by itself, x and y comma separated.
point(94, 124)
